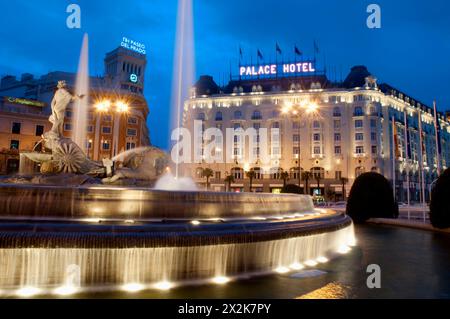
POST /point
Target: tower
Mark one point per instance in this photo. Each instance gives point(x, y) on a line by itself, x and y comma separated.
point(125, 67)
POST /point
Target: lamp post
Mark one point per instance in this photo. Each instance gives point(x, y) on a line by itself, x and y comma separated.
point(121, 109)
point(297, 112)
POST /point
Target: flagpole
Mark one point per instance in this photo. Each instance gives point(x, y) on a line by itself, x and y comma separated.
point(394, 156)
point(407, 163)
point(422, 175)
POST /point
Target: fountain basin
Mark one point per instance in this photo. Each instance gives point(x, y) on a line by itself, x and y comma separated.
point(118, 237)
point(140, 203)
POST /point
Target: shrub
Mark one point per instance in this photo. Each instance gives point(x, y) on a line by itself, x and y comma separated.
point(292, 189)
point(371, 196)
point(440, 202)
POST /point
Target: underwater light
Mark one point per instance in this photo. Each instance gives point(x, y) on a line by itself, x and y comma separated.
point(133, 287)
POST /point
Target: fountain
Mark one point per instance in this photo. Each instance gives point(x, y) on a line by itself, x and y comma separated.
point(66, 231)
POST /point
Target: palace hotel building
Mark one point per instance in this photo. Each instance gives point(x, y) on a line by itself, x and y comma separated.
point(116, 120)
point(358, 126)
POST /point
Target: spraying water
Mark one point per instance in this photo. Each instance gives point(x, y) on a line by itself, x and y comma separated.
point(82, 89)
point(184, 66)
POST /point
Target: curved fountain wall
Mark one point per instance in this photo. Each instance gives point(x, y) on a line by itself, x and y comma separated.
point(118, 237)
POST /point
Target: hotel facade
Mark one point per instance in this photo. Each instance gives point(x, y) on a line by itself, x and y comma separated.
point(356, 126)
point(117, 117)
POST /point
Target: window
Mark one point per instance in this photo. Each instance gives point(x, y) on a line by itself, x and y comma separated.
point(237, 173)
point(316, 124)
point(237, 115)
point(358, 111)
point(218, 175)
point(337, 112)
point(131, 145)
point(237, 126)
point(359, 137)
point(89, 144)
point(257, 115)
point(16, 128)
point(318, 172)
point(219, 116)
point(337, 150)
point(90, 129)
point(374, 150)
point(90, 117)
point(296, 138)
point(132, 121)
point(359, 149)
point(201, 117)
point(107, 118)
point(296, 125)
point(373, 136)
point(14, 144)
point(106, 129)
point(67, 127)
point(69, 114)
point(373, 123)
point(316, 137)
point(337, 124)
point(257, 126)
point(39, 130)
point(359, 124)
point(296, 150)
point(105, 145)
point(338, 175)
point(131, 132)
point(337, 137)
point(317, 150)
point(276, 125)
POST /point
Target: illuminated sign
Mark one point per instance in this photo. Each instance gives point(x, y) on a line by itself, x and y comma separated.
point(133, 45)
point(134, 78)
point(277, 69)
point(24, 102)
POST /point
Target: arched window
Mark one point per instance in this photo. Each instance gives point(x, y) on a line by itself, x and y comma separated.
point(237, 115)
point(337, 112)
point(294, 172)
point(258, 173)
point(219, 116)
point(318, 172)
point(275, 173)
point(358, 111)
point(373, 110)
point(359, 171)
point(237, 173)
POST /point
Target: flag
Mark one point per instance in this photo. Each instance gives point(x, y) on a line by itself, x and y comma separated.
point(396, 144)
point(437, 129)
point(297, 51)
point(407, 137)
point(260, 56)
point(278, 49)
point(316, 47)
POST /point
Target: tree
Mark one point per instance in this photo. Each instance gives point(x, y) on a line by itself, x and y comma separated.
point(371, 196)
point(207, 173)
point(306, 176)
point(251, 175)
point(439, 206)
point(344, 181)
point(229, 180)
point(284, 176)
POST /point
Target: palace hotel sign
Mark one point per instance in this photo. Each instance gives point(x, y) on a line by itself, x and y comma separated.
point(277, 69)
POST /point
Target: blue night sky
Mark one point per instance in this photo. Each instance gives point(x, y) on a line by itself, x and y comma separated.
point(411, 51)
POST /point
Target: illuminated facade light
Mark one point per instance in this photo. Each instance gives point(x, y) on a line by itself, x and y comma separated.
point(27, 292)
point(164, 285)
point(221, 280)
point(282, 270)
